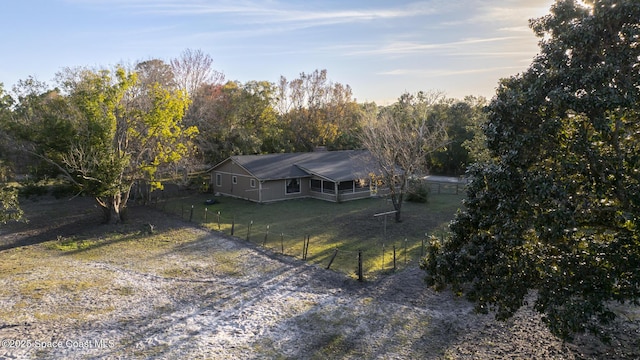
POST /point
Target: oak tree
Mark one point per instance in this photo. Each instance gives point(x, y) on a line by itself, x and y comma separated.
point(557, 208)
point(103, 134)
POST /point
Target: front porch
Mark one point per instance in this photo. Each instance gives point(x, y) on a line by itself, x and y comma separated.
point(340, 191)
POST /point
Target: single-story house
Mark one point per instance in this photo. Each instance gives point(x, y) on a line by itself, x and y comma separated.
point(327, 175)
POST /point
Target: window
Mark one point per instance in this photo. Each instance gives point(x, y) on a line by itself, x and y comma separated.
point(293, 186)
point(316, 185)
point(345, 187)
point(218, 179)
point(234, 179)
point(252, 182)
point(328, 187)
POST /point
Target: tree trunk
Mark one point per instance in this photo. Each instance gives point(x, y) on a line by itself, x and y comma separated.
point(398, 217)
point(113, 208)
point(396, 199)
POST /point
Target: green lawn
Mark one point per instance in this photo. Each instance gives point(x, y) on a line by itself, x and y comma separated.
point(348, 227)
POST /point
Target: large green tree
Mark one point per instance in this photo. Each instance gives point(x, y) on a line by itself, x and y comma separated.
point(557, 209)
point(234, 119)
point(464, 119)
point(103, 132)
point(315, 111)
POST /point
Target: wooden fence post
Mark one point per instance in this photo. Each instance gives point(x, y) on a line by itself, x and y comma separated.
point(394, 257)
point(332, 258)
point(305, 247)
point(206, 210)
point(218, 220)
point(233, 225)
point(249, 230)
point(382, 266)
point(282, 243)
point(264, 243)
point(360, 277)
point(405, 251)
point(191, 214)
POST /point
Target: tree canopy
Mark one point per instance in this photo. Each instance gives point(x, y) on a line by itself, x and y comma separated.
point(103, 131)
point(463, 120)
point(557, 207)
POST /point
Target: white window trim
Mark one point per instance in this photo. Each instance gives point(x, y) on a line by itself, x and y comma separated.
point(252, 183)
point(234, 179)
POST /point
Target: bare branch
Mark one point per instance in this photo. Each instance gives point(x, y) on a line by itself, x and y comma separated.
point(400, 138)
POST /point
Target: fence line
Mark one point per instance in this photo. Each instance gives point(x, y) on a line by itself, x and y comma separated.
point(446, 187)
point(362, 261)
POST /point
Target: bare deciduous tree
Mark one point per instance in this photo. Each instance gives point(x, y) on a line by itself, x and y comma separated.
point(193, 69)
point(399, 139)
point(155, 71)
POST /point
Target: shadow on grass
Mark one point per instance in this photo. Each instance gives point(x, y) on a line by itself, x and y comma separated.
point(47, 220)
point(340, 325)
point(78, 219)
point(351, 226)
point(407, 319)
point(218, 303)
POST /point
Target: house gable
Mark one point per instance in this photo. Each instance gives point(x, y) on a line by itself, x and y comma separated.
point(230, 178)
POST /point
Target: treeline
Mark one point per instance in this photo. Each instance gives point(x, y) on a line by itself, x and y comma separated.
point(311, 111)
point(231, 117)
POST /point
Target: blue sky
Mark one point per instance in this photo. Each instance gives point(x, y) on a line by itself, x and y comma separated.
point(380, 48)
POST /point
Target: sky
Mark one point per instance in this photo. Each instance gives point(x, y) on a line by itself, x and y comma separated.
point(381, 49)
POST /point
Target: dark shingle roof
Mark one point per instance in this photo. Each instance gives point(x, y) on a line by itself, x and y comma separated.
point(332, 165)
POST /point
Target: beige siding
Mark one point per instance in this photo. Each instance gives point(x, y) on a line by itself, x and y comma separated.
point(267, 191)
point(276, 190)
point(355, 196)
point(323, 196)
point(241, 188)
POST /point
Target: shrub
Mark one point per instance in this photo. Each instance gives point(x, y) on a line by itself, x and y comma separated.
point(418, 191)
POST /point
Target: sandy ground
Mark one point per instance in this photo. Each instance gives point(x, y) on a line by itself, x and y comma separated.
point(273, 307)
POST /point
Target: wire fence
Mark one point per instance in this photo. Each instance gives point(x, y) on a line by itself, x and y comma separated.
point(366, 259)
point(446, 187)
